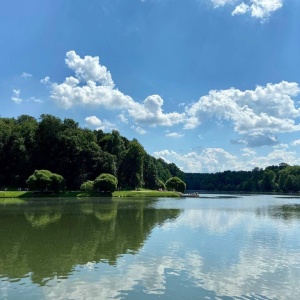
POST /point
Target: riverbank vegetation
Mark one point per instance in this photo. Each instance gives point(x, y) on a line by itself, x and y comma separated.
point(80, 155)
point(17, 195)
point(76, 154)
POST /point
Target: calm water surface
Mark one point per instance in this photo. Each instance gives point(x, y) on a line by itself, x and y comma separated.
point(215, 247)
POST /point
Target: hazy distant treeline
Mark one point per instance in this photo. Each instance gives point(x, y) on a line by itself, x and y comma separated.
point(282, 178)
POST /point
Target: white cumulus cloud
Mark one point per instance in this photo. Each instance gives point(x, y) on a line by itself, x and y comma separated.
point(295, 143)
point(93, 85)
point(258, 113)
point(100, 125)
point(211, 160)
point(240, 9)
point(260, 9)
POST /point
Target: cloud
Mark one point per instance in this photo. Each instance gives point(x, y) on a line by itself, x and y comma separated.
point(151, 113)
point(295, 143)
point(240, 9)
point(211, 160)
point(260, 9)
point(16, 96)
point(93, 121)
point(123, 118)
point(46, 81)
point(26, 75)
point(247, 152)
point(139, 130)
point(89, 69)
point(36, 100)
point(100, 125)
point(258, 139)
point(258, 113)
point(218, 3)
point(93, 85)
point(174, 135)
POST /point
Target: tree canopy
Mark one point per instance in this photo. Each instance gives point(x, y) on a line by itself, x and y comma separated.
point(77, 154)
point(281, 178)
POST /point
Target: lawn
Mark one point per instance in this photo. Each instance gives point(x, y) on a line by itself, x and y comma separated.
point(67, 194)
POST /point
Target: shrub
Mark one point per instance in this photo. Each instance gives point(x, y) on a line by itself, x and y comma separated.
point(106, 182)
point(176, 184)
point(45, 180)
point(87, 186)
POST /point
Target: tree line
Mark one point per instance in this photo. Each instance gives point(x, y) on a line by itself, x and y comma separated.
point(282, 178)
point(77, 154)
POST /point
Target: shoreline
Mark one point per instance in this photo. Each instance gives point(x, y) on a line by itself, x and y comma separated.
point(30, 195)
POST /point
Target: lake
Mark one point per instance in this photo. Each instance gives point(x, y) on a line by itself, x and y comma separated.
point(213, 247)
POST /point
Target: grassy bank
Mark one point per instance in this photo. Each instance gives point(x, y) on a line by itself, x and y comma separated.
point(74, 194)
point(145, 193)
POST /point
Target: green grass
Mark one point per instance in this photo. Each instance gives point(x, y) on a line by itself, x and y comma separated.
point(74, 194)
point(15, 194)
point(144, 193)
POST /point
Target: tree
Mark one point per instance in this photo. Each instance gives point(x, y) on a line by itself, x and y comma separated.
point(45, 180)
point(176, 184)
point(150, 172)
point(87, 186)
point(161, 185)
point(106, 182)
point(267, 182)
point(131, 168)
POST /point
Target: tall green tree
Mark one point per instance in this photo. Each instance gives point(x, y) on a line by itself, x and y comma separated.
point(267, 183)
point(131, 167)
point(150, 172)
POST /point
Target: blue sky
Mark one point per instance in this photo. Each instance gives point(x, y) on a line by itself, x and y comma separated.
point(210, 85)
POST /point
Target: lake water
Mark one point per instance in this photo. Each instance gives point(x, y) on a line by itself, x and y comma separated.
point(214, 247)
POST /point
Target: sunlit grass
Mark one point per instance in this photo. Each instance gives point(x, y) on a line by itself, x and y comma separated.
point(74, 194)
point(145, 193)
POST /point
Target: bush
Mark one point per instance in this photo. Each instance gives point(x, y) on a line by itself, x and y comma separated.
point(176, 184)
point(87, 186)
point(43, 180)
point(106, 183)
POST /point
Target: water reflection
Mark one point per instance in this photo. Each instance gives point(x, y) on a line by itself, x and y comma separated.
point(49, 241)
point(245, 248)
point(286, 212)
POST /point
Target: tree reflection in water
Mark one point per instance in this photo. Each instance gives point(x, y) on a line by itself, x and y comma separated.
point(50, 241)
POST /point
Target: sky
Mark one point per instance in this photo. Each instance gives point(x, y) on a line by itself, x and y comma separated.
point(210, 85)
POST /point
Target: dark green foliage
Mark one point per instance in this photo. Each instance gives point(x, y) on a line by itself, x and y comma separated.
point(150, 173)
point(78, 154)
point(131, 166)
point(268, 181)
point(44, 180)
point(106, 183)
point(161, 185)
point(281, 178)
point(87, 186)
point(176, 184)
